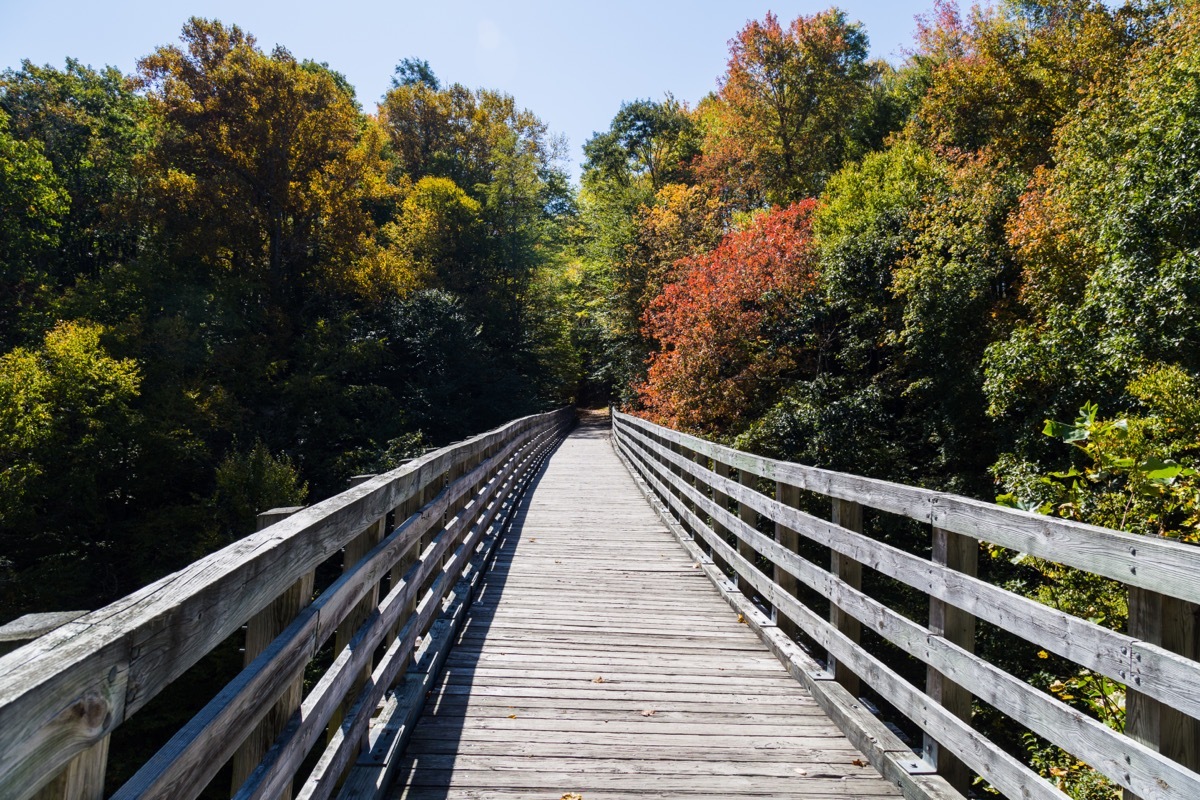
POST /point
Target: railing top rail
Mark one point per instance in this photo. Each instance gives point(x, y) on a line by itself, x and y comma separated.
point(1165, 566)
point(1154, 663)
point(77, 683)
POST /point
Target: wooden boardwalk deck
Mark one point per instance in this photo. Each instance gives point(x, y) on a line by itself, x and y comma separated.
point(599, 662)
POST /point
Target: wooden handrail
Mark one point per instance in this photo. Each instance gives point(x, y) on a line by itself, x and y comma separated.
point(1147, 761)
point(63, 694)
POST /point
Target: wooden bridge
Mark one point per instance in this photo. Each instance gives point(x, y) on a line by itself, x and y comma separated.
point(631, 612)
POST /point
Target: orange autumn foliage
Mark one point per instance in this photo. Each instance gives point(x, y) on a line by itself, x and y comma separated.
point(719, 358)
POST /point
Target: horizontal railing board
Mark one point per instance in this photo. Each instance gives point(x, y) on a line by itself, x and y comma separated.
point(186, 764)
point(388, 733)
point(895, 760)
point(1003, 771)
point(72, 687)
point(1162, 565)
point(895, 498)
point(342, 748)
point(1157, 672)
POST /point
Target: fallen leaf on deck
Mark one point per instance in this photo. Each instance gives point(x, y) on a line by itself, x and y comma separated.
point(571, 796)
point(696, 565)
point(598, 679)
point(801, 771)
point(858, 762)
point(742, 619)
point(512, 716)
point(650, 712)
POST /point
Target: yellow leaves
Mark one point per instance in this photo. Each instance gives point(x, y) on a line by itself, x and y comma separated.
point(571, 796)
point(1043, 654)
point(742, 618)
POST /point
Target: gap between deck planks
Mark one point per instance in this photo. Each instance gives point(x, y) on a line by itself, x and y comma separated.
point(598, 661)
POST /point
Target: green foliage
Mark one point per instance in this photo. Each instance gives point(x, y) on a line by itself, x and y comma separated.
point(253, 481)
point(226, 249)
point(786, 110)
point(68, 446)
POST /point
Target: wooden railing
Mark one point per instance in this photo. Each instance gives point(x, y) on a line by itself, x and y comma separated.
point(408, 545)
point(739, 510)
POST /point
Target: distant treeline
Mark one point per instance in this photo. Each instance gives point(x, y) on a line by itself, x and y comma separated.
point(225, 288)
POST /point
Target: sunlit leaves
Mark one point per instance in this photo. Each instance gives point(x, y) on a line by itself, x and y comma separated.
point(718, 362)
point(780, 123)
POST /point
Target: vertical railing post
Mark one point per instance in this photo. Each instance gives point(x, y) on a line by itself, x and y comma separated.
point(704, 487)
point(686, 479)
point(406, 509)
point(787, 495)
point(749, 516)
point(721, 500)
point(957, 626)
point(262, 628)
point(1171, 624)
point(354, 551)
point(848, 515)
point(82, 778)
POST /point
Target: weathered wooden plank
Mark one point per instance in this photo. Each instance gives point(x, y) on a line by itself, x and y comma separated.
point(283, 760)
point(61, 696)
point(1004, 772)
point(847, 514)
point(960, 553)
point(1158, 564)
point(1127, 763)
point(261, 630)
point(461, 565)
point(31, 626)
point(183, 767)
point(1158, 672)
point(664, 643)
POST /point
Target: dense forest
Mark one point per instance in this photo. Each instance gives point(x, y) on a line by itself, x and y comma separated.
point(227, 286)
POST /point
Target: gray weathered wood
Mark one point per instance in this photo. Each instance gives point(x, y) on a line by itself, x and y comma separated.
point(1171, 623)
point(847, 514)
point(540, 567)
point(789, 539)
point(1127, 763)
point(31, 626)
point(1004, 771)
point(1158, 672)
point(283, 760)
point(1158, 564)
point(960, 553)
point(261, 630)
point(69, 690)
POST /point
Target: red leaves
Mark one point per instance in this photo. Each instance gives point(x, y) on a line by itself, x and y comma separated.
point(717, 361)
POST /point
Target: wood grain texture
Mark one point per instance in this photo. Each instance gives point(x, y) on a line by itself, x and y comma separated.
point(1005, 772)
point(1127, 763)
point(598, 659)
point(1157, 671)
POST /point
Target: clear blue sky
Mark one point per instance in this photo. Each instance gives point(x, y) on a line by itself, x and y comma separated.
point(570, 62)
